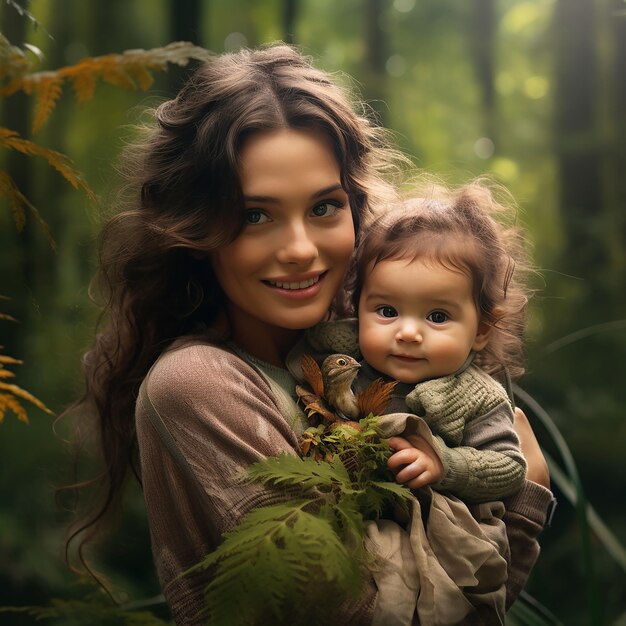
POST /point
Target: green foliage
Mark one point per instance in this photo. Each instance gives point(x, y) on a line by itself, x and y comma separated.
point(81, 612)
point(299, 559)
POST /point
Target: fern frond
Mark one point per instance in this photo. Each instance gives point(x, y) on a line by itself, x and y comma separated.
point(291, 547)
point(24, 395)
point(9, 359)
point(130, 70)
point(47, 92)
point(11, 139)
point(19, 203)
point(9, 402)
point(306, 473)
point(13, 61)
point(80, 612)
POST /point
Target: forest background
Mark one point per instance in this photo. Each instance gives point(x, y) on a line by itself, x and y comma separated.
point(531, 92)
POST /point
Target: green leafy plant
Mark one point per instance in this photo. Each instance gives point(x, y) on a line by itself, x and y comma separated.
point(264, 567)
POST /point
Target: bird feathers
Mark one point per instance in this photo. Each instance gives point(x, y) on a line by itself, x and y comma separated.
point(372, 400)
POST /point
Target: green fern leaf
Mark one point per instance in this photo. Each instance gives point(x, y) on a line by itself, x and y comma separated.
point(290, 548)
point(306, 473)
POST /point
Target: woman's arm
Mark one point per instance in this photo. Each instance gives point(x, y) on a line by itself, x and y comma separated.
point(222, 416)
point(528, 511)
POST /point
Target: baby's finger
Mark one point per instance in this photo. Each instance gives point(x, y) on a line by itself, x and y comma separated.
point(411, 472)
point(398, 443)
point(400, 458)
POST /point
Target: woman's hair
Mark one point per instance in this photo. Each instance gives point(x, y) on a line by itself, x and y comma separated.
point(184, 199)
point(469, 229)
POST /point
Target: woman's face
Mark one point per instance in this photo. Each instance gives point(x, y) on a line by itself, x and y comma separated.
point(285, 267)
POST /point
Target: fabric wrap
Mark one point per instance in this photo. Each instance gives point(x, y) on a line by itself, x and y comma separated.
point(446, 565)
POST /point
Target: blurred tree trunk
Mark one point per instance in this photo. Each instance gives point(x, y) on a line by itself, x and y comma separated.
point(481, 43)
point(616, 166)
point(16, 113)
point(581, 193)
point(184, 20)
point(375, 88)
point(290, 13)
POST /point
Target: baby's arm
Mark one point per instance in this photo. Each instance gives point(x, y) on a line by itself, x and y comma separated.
point(472, 411)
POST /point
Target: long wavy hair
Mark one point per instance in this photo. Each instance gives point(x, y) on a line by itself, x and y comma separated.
point(182, 199)
point(471, 229)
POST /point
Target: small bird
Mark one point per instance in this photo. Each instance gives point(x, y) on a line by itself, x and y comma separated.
point(329, 395)
point(338, 374)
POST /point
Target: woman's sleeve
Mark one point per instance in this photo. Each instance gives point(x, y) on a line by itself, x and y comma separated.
point(221, 416)
point(527, 514)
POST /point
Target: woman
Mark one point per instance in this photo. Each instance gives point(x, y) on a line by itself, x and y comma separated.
point(250, 193)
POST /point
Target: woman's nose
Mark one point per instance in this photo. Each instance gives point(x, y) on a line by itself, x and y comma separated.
point(409, 331)
point(297, 246)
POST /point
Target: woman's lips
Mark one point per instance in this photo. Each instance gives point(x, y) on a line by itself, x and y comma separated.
point(300, 288)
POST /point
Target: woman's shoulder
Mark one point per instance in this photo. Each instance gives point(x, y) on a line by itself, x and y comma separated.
point(196, 368)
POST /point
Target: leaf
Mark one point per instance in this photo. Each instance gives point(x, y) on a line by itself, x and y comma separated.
point(60, 162)
point(9, 359)
point(48, 92)
point(306, 473)
point(270, 558)
point(19, 203)
point(9, 402)
point(25, 395)
point(130, 70)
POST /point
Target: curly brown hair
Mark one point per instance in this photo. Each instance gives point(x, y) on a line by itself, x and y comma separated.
point(472, 229)
point(183, 199)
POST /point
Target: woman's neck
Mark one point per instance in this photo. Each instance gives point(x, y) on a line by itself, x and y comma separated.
point(263, 341)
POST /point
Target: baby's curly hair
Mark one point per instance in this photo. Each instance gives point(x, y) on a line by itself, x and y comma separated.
point(472, 229)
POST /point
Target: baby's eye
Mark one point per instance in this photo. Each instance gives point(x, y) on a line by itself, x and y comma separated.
point(326, 209)
point(438, 317)
point(255, 216)
point(387, 311)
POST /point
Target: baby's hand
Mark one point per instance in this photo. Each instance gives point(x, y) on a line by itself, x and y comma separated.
point(414, 462)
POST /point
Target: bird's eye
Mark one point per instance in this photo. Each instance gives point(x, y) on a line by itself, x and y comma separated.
point(341, 362)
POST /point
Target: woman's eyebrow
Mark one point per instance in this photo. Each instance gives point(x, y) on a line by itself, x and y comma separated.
point(274, 200)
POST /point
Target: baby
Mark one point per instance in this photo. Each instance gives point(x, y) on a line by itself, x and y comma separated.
point(440, 302)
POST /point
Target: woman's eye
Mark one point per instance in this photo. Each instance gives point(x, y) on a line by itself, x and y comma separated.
point(326, 209)
point(437, 317)
point(387, 311)
point(256, 217)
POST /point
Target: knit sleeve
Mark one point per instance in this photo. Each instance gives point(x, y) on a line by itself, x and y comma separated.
point(471, 415)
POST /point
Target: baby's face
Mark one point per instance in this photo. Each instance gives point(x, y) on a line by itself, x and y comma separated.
point(418, 320)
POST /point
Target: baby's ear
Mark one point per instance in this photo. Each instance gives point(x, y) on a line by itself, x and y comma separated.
point(482, 336)
point(484, 329)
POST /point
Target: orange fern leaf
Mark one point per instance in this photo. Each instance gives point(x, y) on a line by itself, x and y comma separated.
point(10, 402)
point(9, 359)
point(19, 203)
point(24, 395)
point(60, 162)
point(375, 397)
point(48, 91)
